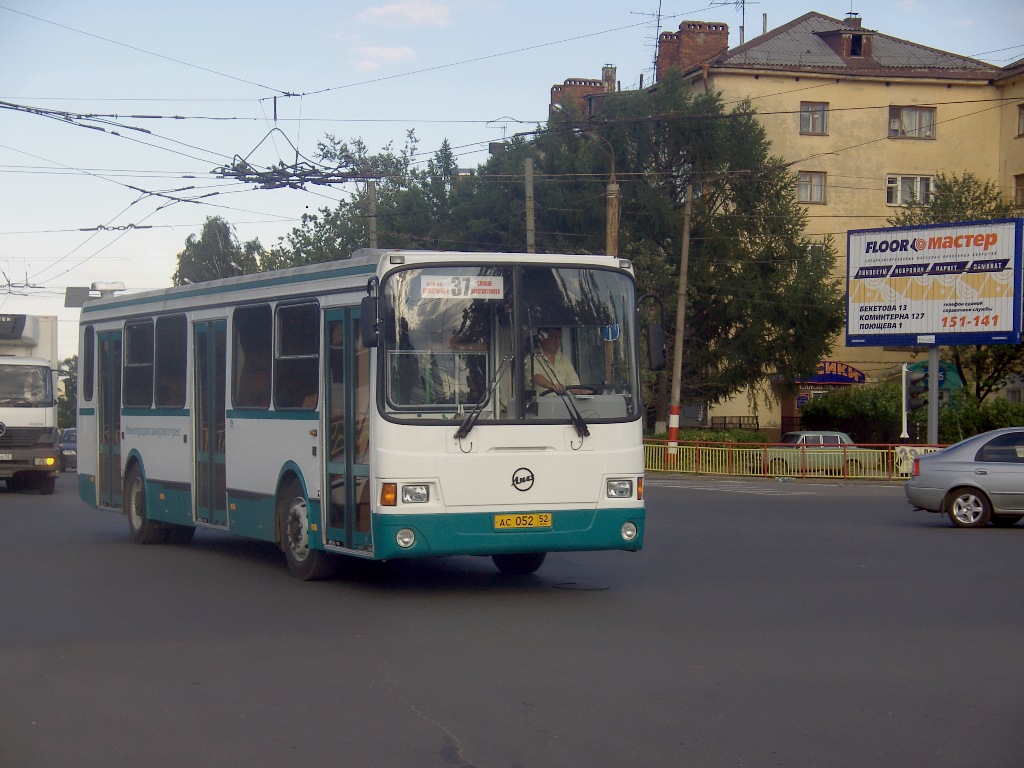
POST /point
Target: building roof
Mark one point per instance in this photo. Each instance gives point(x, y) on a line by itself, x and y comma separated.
point(803, 45)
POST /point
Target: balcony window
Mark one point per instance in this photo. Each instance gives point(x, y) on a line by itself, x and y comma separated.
point(912, 122)
point(902, 190)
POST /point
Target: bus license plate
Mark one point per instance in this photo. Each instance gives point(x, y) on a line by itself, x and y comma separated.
point(6, 456)
point(536, 520)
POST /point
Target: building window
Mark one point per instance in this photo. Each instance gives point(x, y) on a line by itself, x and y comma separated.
point(814, 117)
point(810, 187)
point(1020, 119)
point(1018, 190)
point(912, 122)
point(903, 190)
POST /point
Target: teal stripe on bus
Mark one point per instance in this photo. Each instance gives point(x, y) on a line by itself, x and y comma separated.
point(194, 292)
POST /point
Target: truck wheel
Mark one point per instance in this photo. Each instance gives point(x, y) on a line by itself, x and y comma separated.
point(143, 530)
point(46, 484)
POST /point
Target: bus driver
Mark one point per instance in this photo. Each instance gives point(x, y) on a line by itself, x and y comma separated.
point(554, 365)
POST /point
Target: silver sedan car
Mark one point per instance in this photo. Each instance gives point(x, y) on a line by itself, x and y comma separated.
point(977, 481)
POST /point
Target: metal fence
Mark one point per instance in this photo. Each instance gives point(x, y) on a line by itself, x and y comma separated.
point(865, 462)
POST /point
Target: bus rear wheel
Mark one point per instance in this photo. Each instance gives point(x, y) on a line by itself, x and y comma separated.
point(143, 530)
point(521, 564)
point(293, 521)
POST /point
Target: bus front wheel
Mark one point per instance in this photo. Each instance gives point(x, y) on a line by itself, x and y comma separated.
point(143, 530)
point(293, 518)
point(521, 564)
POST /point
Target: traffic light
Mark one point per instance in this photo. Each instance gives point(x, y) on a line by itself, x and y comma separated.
point(917, 390)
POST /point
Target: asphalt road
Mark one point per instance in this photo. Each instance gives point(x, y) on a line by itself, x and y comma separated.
point(764, 624)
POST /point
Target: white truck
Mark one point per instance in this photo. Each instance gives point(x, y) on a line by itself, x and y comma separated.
point(29, 445)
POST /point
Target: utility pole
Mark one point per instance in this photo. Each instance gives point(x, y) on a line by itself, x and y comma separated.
point(612, 228)
point(371, 195)
point(531, 232)
point(677, 357)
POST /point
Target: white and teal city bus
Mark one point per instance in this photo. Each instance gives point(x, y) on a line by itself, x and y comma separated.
point(385, 406)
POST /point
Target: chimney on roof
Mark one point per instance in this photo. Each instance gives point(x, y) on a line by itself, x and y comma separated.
point(696, 42)
point(608, 78)
point(853, 20)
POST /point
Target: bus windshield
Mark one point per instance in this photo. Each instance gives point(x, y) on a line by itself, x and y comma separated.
point(511, 343)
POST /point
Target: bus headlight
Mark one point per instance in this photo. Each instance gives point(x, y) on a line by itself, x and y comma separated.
point(628, 531)
point(415, 494)
point(620, 489)
point(405, 538)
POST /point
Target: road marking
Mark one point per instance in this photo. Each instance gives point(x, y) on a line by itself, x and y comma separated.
point(734, 486)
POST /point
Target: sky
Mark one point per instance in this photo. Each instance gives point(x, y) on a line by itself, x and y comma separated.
point(164, 94)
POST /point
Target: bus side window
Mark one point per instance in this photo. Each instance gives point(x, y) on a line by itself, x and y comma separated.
point(252, 351)
point(88, 363)
point(138, 364)
point(297, 359)
point(171, 361)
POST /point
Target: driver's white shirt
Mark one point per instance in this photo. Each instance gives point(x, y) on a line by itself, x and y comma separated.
point(565, 374)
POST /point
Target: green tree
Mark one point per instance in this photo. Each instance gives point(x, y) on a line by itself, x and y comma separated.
point(762, 301)
point(216, 253)
point(67, 402)
point(969, 198)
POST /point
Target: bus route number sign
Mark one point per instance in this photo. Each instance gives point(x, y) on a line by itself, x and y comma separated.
point(531, 520)
point(488, 287)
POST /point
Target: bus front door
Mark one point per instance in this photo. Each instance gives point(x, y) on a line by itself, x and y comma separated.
point(108, 471)
point(210, 378)
point(347, 409)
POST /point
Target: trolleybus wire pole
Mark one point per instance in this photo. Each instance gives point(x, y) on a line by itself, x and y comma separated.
point(677, 354)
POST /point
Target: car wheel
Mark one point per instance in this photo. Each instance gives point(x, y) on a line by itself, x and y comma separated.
point(1005, 521)
point(968, 508)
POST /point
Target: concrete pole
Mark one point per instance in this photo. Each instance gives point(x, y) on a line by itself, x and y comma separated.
point(677, 357)
point(371, 197)
point(531, 231)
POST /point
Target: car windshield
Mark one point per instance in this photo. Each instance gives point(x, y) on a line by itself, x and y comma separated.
point(509, 343)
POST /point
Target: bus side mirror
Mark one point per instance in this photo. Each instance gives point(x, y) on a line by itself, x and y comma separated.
point(368, 321)
point(656, 346)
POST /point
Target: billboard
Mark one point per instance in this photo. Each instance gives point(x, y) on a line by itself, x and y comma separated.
point(947, 284)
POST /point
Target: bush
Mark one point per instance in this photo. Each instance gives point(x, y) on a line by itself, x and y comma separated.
point(965, 416)
point(869, 413)
point(692, 435)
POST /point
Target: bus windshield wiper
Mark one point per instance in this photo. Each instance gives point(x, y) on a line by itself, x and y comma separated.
point(474, 415)
point(574, 415)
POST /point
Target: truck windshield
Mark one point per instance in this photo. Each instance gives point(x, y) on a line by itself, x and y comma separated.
point(25, 386)
point(509, 343)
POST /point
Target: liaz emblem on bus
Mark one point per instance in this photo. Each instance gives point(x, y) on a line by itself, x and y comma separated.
point(522, 479)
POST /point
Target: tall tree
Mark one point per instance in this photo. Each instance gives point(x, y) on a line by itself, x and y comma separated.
point(763, 304)
point(969, 198)
point(216, 253)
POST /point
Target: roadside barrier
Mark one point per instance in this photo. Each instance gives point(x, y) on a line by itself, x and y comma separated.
point(864, 462)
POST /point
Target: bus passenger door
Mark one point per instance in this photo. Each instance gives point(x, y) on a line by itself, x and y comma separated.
point(108, 478)
point(210, 384)
point(347, 409)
